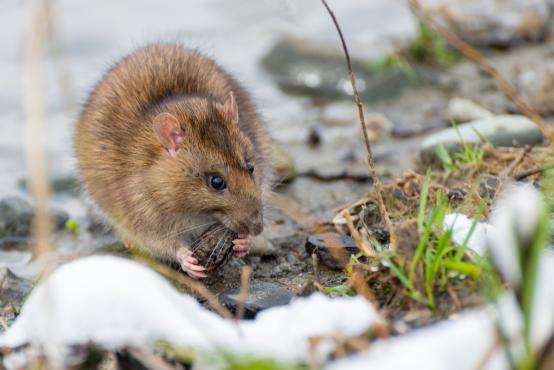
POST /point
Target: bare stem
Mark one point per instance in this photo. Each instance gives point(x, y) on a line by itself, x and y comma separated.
point(244, 287)
point(474, 55)
point(34, 127)
point(370, 160)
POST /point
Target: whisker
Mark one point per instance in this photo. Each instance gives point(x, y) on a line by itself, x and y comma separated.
point(181, 232)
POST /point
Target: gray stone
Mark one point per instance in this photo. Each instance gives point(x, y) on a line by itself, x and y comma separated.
point(60, 184)
point(13, 289)
point(16, 215)
point(261, 295)
point(492, 22)
point(464, 110)
point(334, 250)
point(299, 66)
point(503, 130)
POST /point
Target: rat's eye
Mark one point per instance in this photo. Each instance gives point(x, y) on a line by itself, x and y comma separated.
point(217, 183)
point(250, 167)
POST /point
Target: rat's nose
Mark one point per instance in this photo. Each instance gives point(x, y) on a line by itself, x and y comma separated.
point(256, 224)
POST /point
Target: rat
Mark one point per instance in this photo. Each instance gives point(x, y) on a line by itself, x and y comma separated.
point(169, 144)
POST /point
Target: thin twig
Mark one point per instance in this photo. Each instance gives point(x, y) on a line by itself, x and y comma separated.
point(510, 169)
point(360, 242)
point(488, 355)
point(474, 55)
point(244, 287)
point(315, 265)
point(539, 170)
point(370, 161)
point(359, 284)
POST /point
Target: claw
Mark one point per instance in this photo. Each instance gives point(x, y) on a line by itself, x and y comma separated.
point(190, 264)
point(241, 246)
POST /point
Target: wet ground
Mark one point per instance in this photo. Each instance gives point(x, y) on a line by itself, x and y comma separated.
point(319, 131)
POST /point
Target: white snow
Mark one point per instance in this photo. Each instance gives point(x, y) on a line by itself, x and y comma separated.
point(115, 302)
point(461, 226)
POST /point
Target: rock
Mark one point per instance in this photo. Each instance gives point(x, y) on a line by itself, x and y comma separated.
point(314, 137)
point(463, 110)
point(283, 165)
point(16, 215)
point(64, 183)
point(13, 289)
point(261, 246)
point(498, 23)
point(261, 295)
point(410, 129)
point(17, 243)
point(301, 66)
point(334, 250)
point(489, 186)
point(503, 130)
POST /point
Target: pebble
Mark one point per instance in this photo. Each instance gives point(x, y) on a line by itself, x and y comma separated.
point(502, 130)
point(302, 66)
point(464, 110)
point(16, 215)
point(334, 250)
point(261, 295)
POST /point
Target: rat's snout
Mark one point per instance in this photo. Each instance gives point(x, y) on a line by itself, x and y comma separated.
point(256, 223)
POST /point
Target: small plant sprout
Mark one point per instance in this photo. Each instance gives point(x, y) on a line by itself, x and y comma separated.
point(72, 226)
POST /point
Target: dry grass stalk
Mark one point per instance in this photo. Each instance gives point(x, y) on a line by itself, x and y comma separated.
point(474, 55)
point(34, 127)
point(315, 266)
point(510, 169)
point(193, 285)
point(245, 274)
point(358, 282)
point(370, 160)
point(360, 242)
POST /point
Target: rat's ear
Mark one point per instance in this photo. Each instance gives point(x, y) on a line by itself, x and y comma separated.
point(230, 108)
point(169, 132)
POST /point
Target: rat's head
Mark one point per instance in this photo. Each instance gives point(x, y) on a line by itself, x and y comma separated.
point(209, 165)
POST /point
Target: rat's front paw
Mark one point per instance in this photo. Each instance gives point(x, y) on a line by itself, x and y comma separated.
point(241, 246)
point(190, 264)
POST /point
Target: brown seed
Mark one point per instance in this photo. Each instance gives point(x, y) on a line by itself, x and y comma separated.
point(215, 248)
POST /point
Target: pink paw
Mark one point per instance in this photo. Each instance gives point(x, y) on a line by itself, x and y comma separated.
point(241, 246)
point(189, 264)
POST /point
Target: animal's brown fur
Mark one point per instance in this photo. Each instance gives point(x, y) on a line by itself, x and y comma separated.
point(154, 200)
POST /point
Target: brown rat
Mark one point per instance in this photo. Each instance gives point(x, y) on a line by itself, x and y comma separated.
point(170, 144)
